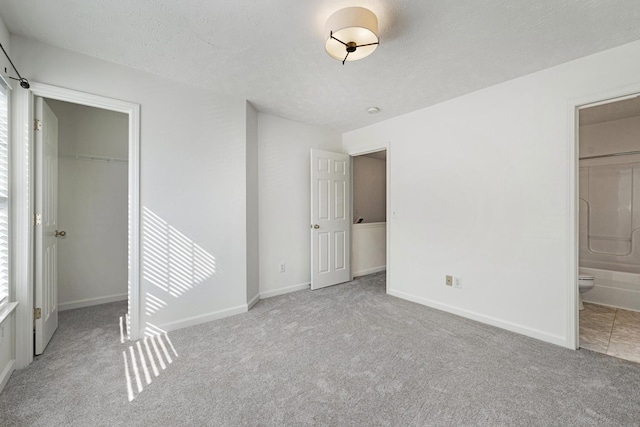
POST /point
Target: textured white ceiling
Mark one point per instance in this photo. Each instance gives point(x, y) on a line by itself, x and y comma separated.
point(271, 52)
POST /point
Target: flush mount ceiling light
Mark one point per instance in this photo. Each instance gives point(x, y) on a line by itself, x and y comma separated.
point(353, 34)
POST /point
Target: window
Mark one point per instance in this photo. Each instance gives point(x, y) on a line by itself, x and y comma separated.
point(4, 192)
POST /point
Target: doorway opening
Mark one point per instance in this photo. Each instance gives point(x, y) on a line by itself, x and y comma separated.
point(608, 135)
point(24, 187)
point(86, 194)
point(333, 221)
point(369, 210)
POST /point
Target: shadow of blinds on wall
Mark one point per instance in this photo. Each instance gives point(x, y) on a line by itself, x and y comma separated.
point(4, 193)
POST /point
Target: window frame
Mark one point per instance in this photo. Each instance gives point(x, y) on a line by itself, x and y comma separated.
point(5, 196)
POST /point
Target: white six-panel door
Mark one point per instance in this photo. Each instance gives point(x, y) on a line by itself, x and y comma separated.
point(330, 218)
point(46, 229)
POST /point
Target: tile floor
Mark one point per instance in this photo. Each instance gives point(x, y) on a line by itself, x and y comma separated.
point(611, 331)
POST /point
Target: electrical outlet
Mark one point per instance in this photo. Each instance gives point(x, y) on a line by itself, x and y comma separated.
point(282, 267)
point(457, 282)
point(449, 281)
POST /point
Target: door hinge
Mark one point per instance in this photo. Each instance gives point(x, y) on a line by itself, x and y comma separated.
point(37, 124)
point(37, 219)
point(37, 313)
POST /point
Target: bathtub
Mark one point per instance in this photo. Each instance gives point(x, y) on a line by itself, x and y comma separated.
point(614, 288)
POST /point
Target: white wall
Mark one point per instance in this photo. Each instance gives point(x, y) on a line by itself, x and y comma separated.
point(88, 130)
point(284, 206)
point(492, 171)
point(369, 189)
point(92, 205)
point(193, 183)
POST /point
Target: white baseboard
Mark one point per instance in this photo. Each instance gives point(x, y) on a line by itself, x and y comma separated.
point(92, 301)
point(6, 374)
point(369, 271)
point(509, 326)
point(285, 290)
point(253, 301)
point(203, 318)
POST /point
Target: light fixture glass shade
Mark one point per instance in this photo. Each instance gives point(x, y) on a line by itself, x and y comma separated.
point(353, 24)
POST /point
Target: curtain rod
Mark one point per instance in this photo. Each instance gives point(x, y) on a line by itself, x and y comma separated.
point(625, 153)
point(24, 83)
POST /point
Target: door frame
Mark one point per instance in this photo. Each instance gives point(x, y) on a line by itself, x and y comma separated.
point(366, 149)
point(574, 106)
point(22, 168)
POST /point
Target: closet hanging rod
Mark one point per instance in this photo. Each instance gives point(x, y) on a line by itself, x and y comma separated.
point(625, 153)
point(93, 158)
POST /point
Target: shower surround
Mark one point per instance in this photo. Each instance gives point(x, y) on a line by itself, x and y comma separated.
point(609, 229)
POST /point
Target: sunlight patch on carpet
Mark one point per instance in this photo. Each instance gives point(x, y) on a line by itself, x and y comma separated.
point(145, 360)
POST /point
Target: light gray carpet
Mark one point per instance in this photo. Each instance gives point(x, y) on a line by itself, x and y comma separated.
point(346, 355)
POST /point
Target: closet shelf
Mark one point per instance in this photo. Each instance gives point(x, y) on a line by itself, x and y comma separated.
point(93, 158)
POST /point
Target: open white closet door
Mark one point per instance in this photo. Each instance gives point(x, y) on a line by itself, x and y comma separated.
point(330, 219)
point(46, 228)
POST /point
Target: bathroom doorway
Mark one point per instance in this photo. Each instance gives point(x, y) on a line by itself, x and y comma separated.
point(608, 249)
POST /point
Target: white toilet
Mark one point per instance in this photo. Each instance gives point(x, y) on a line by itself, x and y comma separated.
point(585, 283)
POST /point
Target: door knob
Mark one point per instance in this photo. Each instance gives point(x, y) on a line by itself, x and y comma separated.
point(60, 233)
point(316, 226)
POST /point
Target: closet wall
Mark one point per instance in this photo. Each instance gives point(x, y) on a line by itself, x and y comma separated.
point(370, 188)
point(92, 205)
